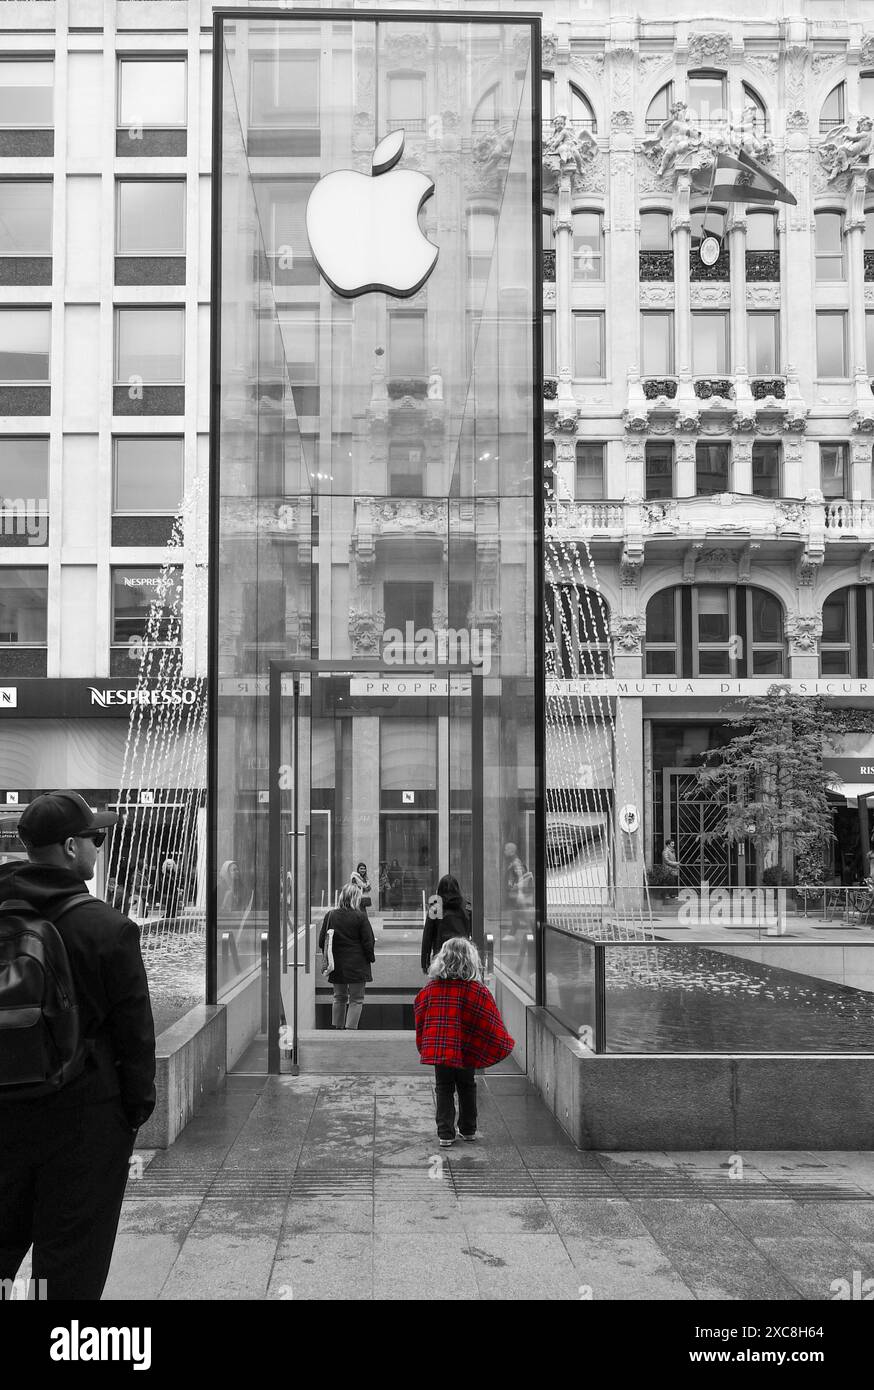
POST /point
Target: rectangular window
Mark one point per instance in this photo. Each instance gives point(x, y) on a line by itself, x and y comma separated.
point(147, 475)
point(659, 470)
point(711, 469)
point(408, 351)
point(24, 469)
point(766, 470)
point(761, 231)
point(146, 601)
point(657, 344)
point(662, 626)
point(481, 227)
point(282, 212)
point(831, 344)
point(150, 217)
point(589, 486)
point(299, 343)
point(406, 470)
point(152, 93)
point(150, 346)
point(711, 603)
point(588, 252)
point(589, 345)
point(284, 90)
point(829, 241)
point(25, 217)
point(549, 344)
point(833, 470)
point(23, 606)
point(710, 344)
point(25, 338)
point(764, 343)
point(406, 102)
point(27, 94)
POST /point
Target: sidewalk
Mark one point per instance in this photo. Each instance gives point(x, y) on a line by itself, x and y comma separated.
point(333, 1187)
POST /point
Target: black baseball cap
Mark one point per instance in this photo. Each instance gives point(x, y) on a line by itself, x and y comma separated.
point(53, 817)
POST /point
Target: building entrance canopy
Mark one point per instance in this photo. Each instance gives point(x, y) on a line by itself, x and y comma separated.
point(376, 496)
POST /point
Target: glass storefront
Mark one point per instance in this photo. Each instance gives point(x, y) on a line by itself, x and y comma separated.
point(376, 557)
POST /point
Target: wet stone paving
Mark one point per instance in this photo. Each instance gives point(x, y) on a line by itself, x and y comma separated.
point(333, 1187)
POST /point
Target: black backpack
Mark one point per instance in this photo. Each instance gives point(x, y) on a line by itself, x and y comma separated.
point(41, 1047)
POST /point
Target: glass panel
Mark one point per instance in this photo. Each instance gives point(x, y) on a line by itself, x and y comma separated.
point(712, 614)
point(766, 470)
point(705, 96)
point(869, 231)
point(832, 470)
point(24, 345)
point(581, 109)
point(547, 230)
point(589, 345)
point(546, 89)
point(659, 108)
point(406, 103)
point(589, 472)
point(831, 345)
point(764, 330)
point(570, 982)
point(23, 601)
point(151, 93)
point(709, 344)
point(151, 218)
point(835, 617)
point(148, 475)
point(282, 214)
point(761, 231)
point(24, 468)
point(25, 218)
point(133, 593)
point(659, 470)
point(866, 94)
point(829, 245)
point(661, 617)
point(707, 221)
point(655, 231)
point(832, 113)
point(549, 344)
point(711, 468)
point(657, 343)
point(150, 346)
point(27, 94)
point(375, 474)
point(767, 614)
point(588, 246)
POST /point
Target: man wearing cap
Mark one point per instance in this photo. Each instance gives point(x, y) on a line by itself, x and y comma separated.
point(64, 1157)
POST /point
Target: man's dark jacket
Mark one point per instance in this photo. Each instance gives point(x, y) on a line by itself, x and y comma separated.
point(111, 990)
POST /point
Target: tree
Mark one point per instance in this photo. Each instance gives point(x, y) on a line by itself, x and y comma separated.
point(771, 779)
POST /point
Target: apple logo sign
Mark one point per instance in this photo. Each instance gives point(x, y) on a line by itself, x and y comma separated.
point(364, 231)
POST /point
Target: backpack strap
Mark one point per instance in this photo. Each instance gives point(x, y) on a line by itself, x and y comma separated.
point(77, 900)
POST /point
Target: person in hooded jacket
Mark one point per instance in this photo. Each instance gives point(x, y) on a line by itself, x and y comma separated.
point(64, 1157)
point(352, 948)
point(448, 915)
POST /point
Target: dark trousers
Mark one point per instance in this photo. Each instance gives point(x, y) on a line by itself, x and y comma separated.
point(62, 1180)
point(448, 1080)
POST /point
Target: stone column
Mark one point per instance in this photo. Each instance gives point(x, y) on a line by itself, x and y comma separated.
point(737, 241)
point(563, 227)
point(854, 234)
point(682, 244)
point(685, 465)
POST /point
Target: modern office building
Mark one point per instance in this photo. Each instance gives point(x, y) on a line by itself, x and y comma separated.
point(707, 423)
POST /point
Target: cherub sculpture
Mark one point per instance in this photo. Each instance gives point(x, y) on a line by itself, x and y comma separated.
point(848, 146)
point(676, 138)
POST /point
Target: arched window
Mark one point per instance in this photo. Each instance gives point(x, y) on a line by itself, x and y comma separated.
point(655, 231)
point(485, 113)
point(833, 109)
point(577, 632)
point(548, 231)
point(714, 630)
point(659, 108)
point(846, 647)
point(582, 113)
point(707, 221)
point(588, 252)
point(866, 94)
point(707, 97)
point(752, 98)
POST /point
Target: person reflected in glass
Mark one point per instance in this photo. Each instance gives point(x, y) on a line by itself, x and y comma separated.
point(395, 883)
point(360, 880)
point(352, 952)
point(230, 887)
point(448, 915)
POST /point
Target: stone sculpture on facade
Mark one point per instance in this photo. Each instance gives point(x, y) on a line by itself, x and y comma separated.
point(678, 145)
point(849, 147)
point(568, 151)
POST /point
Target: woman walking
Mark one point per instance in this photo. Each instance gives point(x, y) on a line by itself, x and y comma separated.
point(351, 954)
point(458, 1030)
point(447, 916)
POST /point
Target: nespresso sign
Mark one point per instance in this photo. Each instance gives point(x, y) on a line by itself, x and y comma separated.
point(85, 699)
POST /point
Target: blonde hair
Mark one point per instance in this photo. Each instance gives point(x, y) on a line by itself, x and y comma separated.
point(457, 960)
point(350, 896)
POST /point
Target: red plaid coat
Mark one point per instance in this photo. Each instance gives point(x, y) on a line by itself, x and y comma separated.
point(458, 1025)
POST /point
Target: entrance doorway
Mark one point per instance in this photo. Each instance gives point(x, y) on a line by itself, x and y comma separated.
point(364, 769)
point(695, 820)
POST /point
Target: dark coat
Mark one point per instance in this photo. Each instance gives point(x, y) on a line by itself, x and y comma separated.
point(454, 922)
point(111, 990)
point(353, 945)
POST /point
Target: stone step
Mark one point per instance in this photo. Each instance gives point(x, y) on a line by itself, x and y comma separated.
point(384, 1052)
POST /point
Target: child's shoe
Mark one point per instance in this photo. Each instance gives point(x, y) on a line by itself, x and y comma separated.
point(468, 1138)
point(447, 1143)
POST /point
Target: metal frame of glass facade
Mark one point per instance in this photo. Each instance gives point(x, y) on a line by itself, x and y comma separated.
point(529, 495)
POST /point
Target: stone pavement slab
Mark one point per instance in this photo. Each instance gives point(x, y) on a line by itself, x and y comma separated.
point(333, 1187)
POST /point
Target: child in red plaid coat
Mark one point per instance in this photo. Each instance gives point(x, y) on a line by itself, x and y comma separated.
point(458, 1029)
